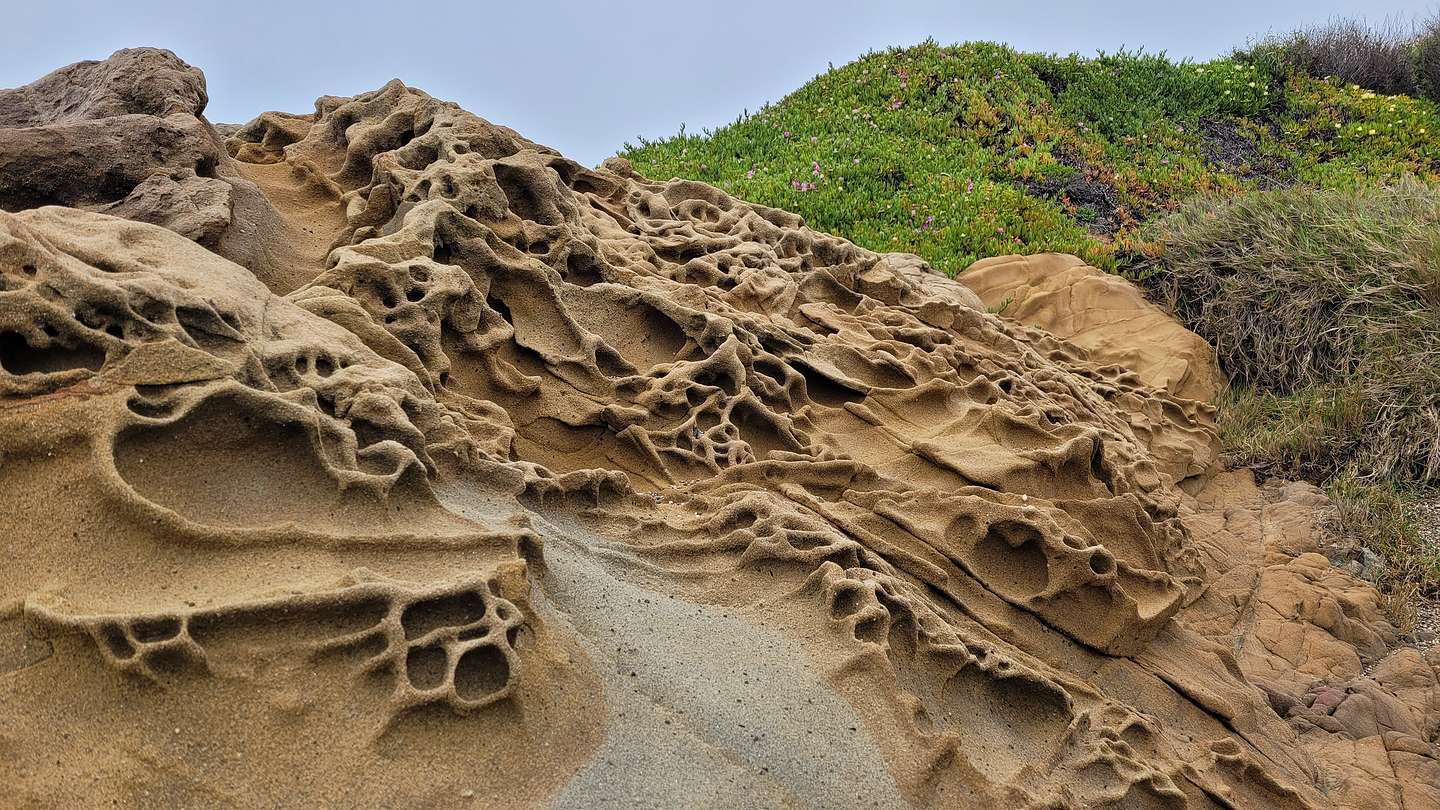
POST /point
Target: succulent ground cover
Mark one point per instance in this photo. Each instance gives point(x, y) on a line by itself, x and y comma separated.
point(965, 151)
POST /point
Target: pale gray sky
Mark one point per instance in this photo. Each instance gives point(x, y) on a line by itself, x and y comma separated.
point(586, 76)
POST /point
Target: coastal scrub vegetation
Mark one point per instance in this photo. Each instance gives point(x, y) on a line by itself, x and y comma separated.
point(1280, 200)
point(965, 151)
point(1388, 57)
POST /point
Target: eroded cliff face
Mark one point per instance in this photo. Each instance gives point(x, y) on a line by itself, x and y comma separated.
point(496, 479)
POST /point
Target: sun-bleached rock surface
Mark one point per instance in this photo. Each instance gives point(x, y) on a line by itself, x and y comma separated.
point(504, 481)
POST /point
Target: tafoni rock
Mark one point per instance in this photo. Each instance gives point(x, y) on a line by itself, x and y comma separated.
point(379, 456)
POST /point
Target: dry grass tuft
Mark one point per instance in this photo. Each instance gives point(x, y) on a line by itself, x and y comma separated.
point(1324, 308)
point(1327, 303)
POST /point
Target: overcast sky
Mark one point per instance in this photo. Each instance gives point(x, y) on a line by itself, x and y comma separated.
point(586, 76)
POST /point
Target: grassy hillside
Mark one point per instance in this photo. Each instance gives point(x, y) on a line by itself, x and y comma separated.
point(974, 150)
point(1290, 217)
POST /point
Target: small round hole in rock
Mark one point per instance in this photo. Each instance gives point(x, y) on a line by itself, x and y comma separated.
point(157, 629)
point(425, 667)
point(116, 643)
point(481, 672)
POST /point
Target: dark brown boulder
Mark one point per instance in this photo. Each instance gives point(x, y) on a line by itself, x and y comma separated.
point(127, 136)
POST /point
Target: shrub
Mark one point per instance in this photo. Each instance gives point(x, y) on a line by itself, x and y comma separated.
point(1427, 58)
point(1331, 296)
point(1127, 93)
point(1374, 57)
point(1324, 308)
point(965, 151)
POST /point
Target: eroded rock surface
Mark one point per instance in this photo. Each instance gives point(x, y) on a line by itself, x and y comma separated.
point(1103, 314)
point(557, 485)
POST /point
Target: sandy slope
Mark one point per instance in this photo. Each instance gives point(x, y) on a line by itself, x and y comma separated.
point(487, 479)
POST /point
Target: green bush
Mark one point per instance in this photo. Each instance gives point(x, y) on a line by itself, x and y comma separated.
point(1324, 309)
point(924, 150)
point(1129, 93)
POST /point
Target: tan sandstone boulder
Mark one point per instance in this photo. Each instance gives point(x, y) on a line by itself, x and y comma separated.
point(1103, 313)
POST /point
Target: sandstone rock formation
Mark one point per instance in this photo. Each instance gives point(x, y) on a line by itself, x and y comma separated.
point(1103, 314)
point(559, 486)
